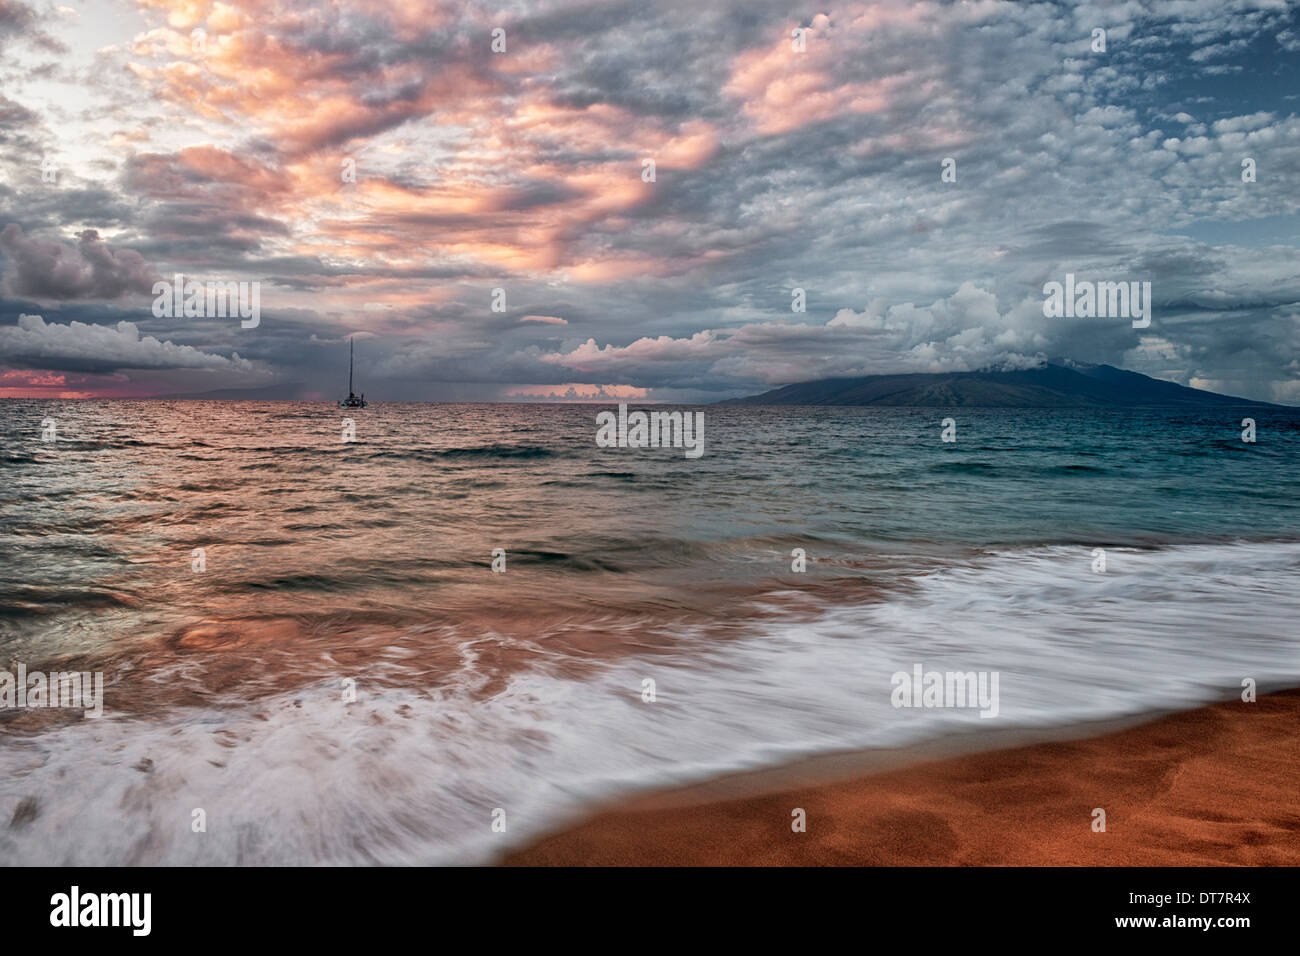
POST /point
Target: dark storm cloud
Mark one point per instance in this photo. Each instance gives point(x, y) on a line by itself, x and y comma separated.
point(41, 209)
point(819, 172)
point(51, 270)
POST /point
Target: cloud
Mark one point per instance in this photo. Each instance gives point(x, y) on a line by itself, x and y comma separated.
point(775, 169)
point(963, 332)
point(54, 271)
point(20, 21)
point(576, 392)
point(101, 348)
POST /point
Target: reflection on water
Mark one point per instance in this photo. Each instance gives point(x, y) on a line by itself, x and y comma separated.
point(371, 559)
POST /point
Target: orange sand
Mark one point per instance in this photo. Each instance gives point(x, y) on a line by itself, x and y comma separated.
point(1217, 785)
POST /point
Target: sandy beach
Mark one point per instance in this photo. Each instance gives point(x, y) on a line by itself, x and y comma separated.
point(1219, 785)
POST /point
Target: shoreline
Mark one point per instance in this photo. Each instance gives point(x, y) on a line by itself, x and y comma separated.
point(1214, 785)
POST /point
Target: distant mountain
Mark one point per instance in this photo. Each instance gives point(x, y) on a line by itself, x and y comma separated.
point(1070, 385)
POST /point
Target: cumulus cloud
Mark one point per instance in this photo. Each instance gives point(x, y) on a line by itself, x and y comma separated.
point(77, 346)
point(962, 332)
point(776, 169)
point(48, 270)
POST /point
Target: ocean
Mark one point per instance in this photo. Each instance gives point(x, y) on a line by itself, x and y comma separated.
point(305, 638)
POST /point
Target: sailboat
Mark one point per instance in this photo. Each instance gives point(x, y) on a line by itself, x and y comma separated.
point(353, 400)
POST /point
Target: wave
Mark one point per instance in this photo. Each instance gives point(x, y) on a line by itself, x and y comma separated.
point(32, 601)
point(410, 774)
point(470, 453)
point(964, 468)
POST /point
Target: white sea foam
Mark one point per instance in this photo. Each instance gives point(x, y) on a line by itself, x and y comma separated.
point(402, 778)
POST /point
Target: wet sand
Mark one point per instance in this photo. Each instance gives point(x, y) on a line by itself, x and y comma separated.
point(1219, 785)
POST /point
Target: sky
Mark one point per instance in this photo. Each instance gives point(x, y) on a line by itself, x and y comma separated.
point(486, 223)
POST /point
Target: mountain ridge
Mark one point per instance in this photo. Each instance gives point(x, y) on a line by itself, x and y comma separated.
point(1052, 385)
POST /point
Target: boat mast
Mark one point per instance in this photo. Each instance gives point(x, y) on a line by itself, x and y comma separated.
point(349, 365)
